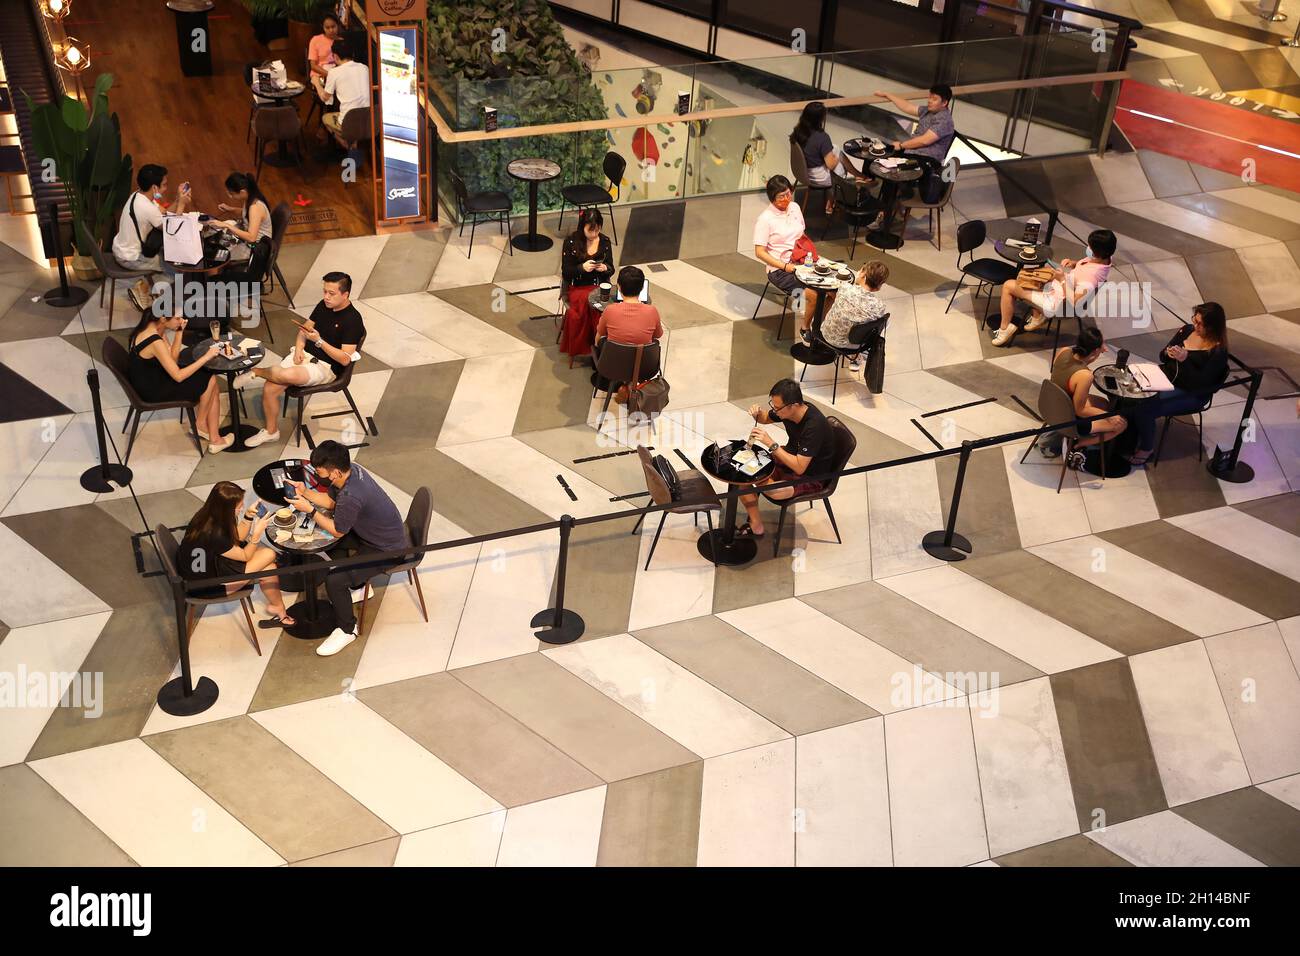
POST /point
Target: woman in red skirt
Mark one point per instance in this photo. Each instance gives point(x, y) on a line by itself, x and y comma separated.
point(586, 260)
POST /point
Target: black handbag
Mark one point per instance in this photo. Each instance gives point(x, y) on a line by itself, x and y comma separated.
point(669, 475)
point(259, 258)
point(150, 245)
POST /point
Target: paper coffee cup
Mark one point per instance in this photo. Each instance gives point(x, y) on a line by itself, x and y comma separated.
point(605, 290)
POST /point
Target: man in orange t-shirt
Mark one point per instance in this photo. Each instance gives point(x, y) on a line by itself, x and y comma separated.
point(630, 322)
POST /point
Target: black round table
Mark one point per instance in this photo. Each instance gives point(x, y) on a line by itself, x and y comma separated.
point(721, 545)
point(312, 618)
point(596, 302)
point(231, 367)
point(911, 171)
point(1012, 253)
point(534, 172)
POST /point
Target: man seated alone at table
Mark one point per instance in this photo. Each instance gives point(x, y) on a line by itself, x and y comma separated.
point(809, 450)
point(347, 80)
point(630, 322)
point(326, 345)
point(365, 522)
point(934, 135)
point(1070, 286)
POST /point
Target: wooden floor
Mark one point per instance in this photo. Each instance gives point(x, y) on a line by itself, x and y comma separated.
point(195, 126)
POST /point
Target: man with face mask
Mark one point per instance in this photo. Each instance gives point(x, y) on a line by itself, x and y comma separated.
point(142, 214)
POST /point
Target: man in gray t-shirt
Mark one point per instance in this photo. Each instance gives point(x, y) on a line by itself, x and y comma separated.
point(936, 131)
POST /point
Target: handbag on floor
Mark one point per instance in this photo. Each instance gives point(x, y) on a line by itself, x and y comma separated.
point(874, 374)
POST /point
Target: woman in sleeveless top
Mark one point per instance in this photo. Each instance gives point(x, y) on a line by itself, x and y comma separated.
point(217, 543)
point(254, 211)
point(1071, 372)
point(154, 369)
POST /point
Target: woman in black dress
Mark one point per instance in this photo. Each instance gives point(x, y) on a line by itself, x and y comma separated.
point(155, 373)
point(587, 259)
point(218, 543)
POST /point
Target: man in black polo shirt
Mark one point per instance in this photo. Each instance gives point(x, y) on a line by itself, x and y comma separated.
point(365, 522)
point(810, 449)
point(325, 347)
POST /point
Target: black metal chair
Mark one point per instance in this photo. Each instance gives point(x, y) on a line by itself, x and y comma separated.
point(695, 494)
point(785, 304)
point(856, 210)
point(115, 357)
point(340, 384)
point(167, 547)
point(280, 217)
point(936, 208)
point(113, 270)
point(487, 206)
point(617, 364)
point(417, 521)
point(845, 445)
point(1185, 419)
point(863, 337)
point(987, 272)
point(584, 195)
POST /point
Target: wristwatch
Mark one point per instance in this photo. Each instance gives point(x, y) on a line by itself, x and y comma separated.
point(771, 449)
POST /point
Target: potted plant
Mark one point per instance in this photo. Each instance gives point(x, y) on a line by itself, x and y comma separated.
point(270, 20)
point(86, 148)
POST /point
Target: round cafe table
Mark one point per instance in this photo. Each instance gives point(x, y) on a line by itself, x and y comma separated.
point(231, 367)
point(313, 618)
point(596, 302)
point(911, 171)
point(721, 544)
point(1012, 253)
point(1119, 385)
point(534, 172)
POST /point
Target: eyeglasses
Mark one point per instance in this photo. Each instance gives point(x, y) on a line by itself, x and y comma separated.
point(772, 407)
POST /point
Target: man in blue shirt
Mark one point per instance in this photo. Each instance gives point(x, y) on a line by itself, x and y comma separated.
point(365, 522)
point(933, 137)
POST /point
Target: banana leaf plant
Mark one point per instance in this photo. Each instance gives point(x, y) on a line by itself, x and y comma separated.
point(85, 149)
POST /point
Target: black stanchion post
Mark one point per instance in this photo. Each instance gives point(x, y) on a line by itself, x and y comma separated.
point(98, 477)
point(558, 624)
point(65, 296)
point(1227, 466)
point(179, 697)
point(947, 545)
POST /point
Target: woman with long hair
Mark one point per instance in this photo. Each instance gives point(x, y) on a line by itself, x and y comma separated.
point(1070, 371)
point(154, 370)
point(587, 259)
point(254, 221)
point(218, 542)
point(1196, 361)
point(810, 136)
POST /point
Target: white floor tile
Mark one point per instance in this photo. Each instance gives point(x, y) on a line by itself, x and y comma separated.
point(34, 590)
point(486, 401)
point(473, 842)
point(1166, 839)
point(1262, 692)
point(747, 808)
point(561, 831)
point(1247, 536)
point(842, 797)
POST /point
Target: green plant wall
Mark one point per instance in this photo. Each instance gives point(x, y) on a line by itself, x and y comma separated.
point(535, 79)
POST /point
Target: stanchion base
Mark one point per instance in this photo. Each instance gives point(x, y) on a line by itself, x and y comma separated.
point(936, 548)
point(92, 479)
point(172, 699)
point(571, 626)
point(1238, 474)
point(76, 296)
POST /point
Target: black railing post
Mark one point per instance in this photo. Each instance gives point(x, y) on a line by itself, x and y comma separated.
point(558, 624)
point(179, 697)
point(97, 478)
point(1229, 467)
point(947, 545)
point(65, 296)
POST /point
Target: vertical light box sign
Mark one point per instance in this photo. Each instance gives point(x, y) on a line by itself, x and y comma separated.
point(400, 103)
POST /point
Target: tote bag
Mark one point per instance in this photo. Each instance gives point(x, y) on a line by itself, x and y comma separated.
point(181, 242)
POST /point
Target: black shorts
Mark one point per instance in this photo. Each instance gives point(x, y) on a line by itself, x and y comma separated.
point(1084, 426)
point(787, 282)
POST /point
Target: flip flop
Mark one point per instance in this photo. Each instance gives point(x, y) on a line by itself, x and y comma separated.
point(747, 531)
point(275, 620)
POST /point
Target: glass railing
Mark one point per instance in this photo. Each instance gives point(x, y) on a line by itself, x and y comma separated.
point(669, 158)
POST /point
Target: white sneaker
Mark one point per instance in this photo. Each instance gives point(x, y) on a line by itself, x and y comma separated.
point(202, 434)
point(214, 448)
point(337, 640)
point(855, 365)
point(364, 593)
point(1033, 325)
point(1004, 336)
point(261, 438)
point(245, 379)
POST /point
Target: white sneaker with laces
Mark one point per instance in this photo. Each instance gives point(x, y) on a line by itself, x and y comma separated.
point(261, 438)
point(364, 593)
point(337, 640)
point(1004, 336)
point(245, 379)
point(215, 448)
point(1033, 325)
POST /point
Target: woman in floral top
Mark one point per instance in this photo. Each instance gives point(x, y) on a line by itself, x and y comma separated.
point(857, 302)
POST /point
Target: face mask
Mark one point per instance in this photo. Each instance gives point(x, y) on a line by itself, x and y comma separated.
point(157, 194)
point(1087, 252)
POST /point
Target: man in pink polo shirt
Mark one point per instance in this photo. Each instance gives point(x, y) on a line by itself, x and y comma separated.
point(776, 231)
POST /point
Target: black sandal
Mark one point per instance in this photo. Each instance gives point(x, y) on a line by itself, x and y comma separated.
point(274, 621)
point(747, 531)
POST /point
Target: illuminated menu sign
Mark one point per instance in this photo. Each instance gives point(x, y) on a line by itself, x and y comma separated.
point(400, 107)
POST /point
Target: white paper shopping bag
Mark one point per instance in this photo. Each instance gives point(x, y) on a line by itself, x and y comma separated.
point(181, 242)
